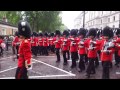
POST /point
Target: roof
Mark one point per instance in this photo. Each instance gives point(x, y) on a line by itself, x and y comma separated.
point(7, 23)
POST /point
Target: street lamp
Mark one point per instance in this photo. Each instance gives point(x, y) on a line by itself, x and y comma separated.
point(119, 20)
point(83, 19)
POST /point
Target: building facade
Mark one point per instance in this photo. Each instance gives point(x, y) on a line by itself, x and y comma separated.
point(98, 19)
point(7, 29)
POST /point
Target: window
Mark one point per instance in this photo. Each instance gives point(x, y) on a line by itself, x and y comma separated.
point(108, 19)
point(114, 18)
point(101, 20)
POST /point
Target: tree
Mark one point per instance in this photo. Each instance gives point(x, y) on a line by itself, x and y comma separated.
point(44, 20)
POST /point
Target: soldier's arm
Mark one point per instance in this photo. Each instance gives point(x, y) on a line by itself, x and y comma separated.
point(27, 54)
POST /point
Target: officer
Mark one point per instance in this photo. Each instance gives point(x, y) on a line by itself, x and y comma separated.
point(24, 60)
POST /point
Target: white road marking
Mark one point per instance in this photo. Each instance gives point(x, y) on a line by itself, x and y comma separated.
point(55, 67)
point(11, 69)
point(33, 77)
point(46, 56)
point(8, 69)
point(117, 72)
point(78, 61)
point(7, 57)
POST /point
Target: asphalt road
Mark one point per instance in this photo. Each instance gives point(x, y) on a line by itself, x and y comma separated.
point(45, 67)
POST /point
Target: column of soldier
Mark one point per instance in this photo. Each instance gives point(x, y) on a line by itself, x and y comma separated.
point(87, 46)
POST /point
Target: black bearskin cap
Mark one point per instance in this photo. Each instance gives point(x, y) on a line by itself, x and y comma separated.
point(118, 31)
point(82, 31)
point(73, 32)
point(52, 34)
point(34, 34)
point(57, 32)
point(92, 32)
point(66, 32)
point(40, 34)
point(107, 31)
point(46, 34)
point(16, 33)
point(24, 29)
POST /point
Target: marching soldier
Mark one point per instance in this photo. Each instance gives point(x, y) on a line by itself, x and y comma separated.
point(16, 43)
point(57, 42)
point(106, 51)
point(34, 43)
point(45, 43)
point(65, 46)
point(40, 44)
point(116, 40)
point(51, 43)
point(73, 47)
point(82, 49)
point(24, 60)
point(92, 52)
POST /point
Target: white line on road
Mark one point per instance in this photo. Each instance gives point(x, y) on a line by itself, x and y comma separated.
point(11, 69)
point(46, 56)
point(7, 69)
point(6, 57)
point(55, 67)
point(33, 77)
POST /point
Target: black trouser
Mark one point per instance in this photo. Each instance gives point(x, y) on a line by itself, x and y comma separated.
point(21, 73)
point(52, 48)
point(68, 54)
point(13, 49)
point(74, 58)
point(64, 56)
point(96, 61)
point(105, 73)
point(91, 66)
point(40, 50)
point(86, 58)
point(58, 54)
point(17, 48)
point(82, 62)
point(34, 50)
point(7, 46)
point(117, 58)
point(1, 50)
point(45, 50)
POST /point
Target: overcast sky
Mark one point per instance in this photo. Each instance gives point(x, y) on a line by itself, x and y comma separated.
point(68, 18)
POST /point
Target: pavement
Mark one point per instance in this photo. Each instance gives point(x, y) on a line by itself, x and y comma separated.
point(45, 67)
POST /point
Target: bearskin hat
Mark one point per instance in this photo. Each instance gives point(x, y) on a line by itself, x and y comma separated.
point(66, 32)
point(92, 32)
point(46, 34)
point(107, 31)
point(118, 31)
point(57, 32)
point(73, 32)
point(52, 34)
point(82, 31)
point(16, 33)
point(34, 34)
point(40, 34)
point(24, 29)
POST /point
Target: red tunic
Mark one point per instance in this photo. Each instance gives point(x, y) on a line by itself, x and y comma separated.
point(57, 42)
point(15, 41)
point(104, 56)
point(45, 42)
point(65, 44)
point(73, 45)
point(24, 53)
point(40, 41)
point(34, 41)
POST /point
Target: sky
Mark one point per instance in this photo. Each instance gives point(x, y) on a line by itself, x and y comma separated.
point(68, 18)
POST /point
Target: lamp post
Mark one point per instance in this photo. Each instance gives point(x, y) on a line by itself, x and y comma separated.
point(119, 20)
point(83, 19)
